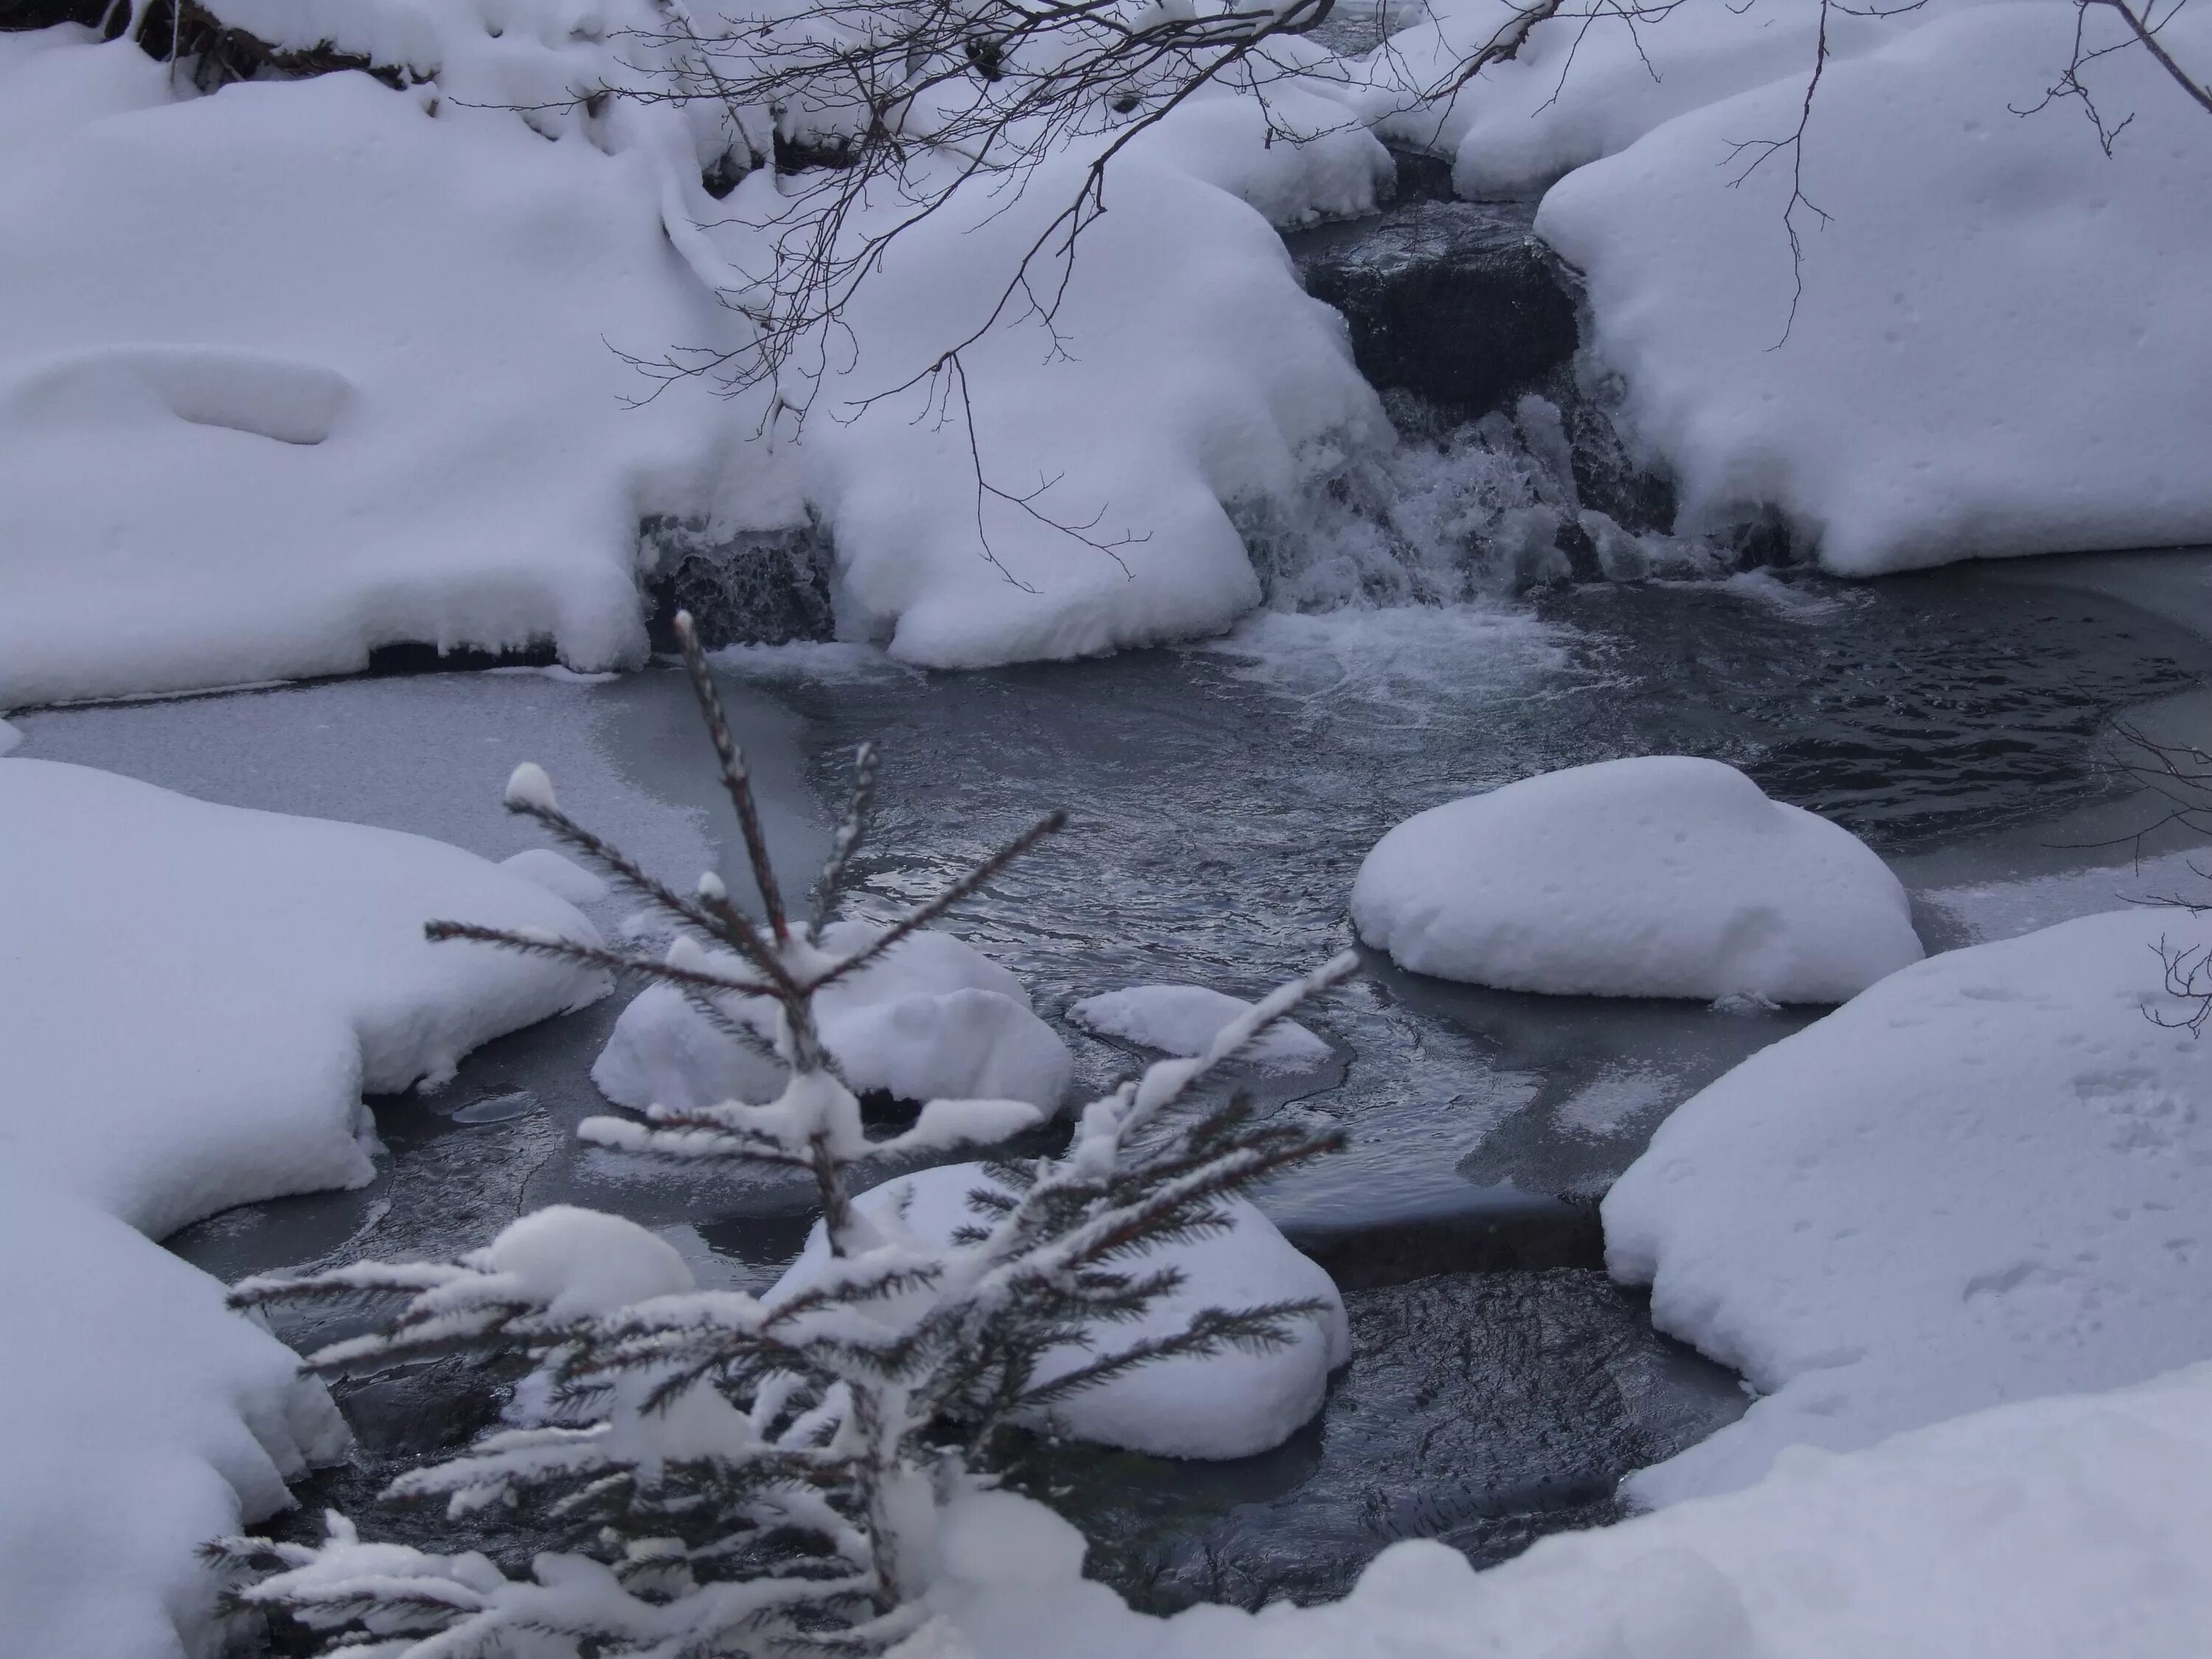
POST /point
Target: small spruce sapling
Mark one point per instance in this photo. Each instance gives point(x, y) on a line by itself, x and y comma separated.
point(710, 1473)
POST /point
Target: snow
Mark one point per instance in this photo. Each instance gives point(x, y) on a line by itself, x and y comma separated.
point(1587, 83)
point(1658, 876)
point(198, 997)
point(1230, 1404)
point(354, 355)
point(1982, 1180)
point(528, 787)
point(201, 995)
point(583, 1264)
point(931, 1019)
point(1895, 415)
point(2047, 1529)
point(1187, 384)
point(562, 877)
point(1184, 1019)
point(139, 1418)
point(360, 346)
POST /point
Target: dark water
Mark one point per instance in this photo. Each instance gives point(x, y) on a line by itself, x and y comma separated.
point(1221, 800)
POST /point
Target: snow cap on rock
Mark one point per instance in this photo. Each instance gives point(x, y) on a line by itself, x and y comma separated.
point(1659, 876)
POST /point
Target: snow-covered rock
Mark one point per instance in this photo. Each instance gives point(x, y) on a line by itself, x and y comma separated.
point(2046, 1530)
point(1184, 1019)
point(2000, 346)
point(932, 1018)
point(1232, 1404)
point(1660, 876)
point(198, 997)
point(1986, 1178)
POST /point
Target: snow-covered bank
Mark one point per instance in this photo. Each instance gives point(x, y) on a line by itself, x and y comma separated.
point(1999, 345)
point(198, 996)
point(1229, 1404)
point(139, 1418)
point(2048, 1529)
point(360, 349)
point(298, 370)
point(1657, 876)
point(1586, 84)
point(1985, 1179)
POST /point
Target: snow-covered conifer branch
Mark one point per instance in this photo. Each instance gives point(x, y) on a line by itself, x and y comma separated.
point(710, 1471)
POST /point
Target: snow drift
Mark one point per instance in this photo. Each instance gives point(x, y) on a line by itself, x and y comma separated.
point(2000, 346)
point(197, 998)
point(1984, 1179)
point(2048, 1529)
point(1660, 876)
point(360, 349)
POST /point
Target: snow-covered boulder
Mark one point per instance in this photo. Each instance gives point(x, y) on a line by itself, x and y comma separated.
point(1660, 876)
point(1233, 1403)
point(1988, 1177)
point(1888, 407)
point(2046, 1530)
point(1184, 1019)
point(198, 997)
point(932, 1018)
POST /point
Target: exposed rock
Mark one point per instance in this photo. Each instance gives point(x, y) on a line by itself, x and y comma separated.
point(756, 587)
point(1457, 302)
point(47, 14)
point(220, 54)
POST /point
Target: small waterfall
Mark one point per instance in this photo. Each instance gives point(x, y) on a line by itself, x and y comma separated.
point(1530, 495)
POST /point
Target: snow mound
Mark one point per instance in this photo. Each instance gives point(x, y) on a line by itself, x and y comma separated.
point(358, 356)
point(564, 877)
point(200, 995)
point(197, 998)
point(2048, 1529)
point(1985, 1179)
point(1184, 1019)
point(1660, 876)
point(139, 1418)
point(1585, 84)
point(363, 349)
point(583, 1264)
point(1891, 414)
point(932, 1018)
point(1232, 1405)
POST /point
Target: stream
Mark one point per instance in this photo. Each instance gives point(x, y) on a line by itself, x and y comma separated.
point(1222, 796)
